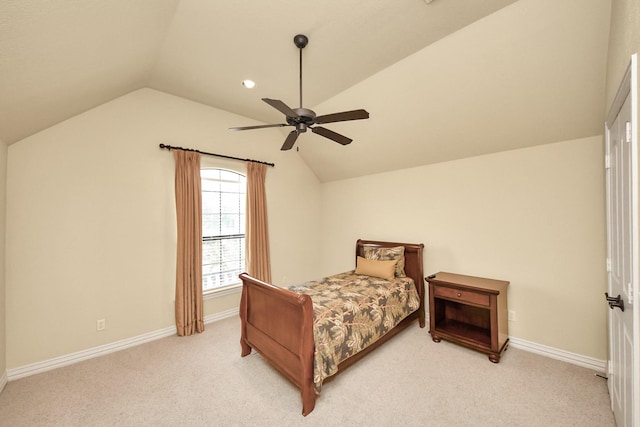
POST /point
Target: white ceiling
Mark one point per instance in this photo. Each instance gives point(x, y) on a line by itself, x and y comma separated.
point(445, 80)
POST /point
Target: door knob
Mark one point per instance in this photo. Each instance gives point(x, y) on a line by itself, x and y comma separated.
point(614, 301)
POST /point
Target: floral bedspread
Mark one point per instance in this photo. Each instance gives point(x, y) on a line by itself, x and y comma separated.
point(351, 312)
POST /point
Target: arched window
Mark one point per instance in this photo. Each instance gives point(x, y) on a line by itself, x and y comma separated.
point(223, 223)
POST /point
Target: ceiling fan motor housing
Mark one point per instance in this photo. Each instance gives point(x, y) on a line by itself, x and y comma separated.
point(305, 118)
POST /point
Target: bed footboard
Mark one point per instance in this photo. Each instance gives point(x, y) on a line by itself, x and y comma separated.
point(278, 324)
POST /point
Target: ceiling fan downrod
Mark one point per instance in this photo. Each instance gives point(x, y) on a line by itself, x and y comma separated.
point(300, 41)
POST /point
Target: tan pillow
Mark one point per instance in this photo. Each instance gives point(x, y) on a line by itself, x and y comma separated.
point(374, 268)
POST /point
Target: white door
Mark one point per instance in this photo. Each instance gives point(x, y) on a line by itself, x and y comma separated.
point(622, 233)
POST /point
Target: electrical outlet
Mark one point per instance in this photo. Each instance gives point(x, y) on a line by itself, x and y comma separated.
point(512, 316)
point(101, 324)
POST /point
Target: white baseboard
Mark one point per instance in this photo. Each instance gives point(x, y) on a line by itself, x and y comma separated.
point(222, 315)
point(57, 362)
point(554, 353)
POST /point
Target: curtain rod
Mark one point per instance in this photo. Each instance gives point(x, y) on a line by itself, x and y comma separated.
point(171, 147)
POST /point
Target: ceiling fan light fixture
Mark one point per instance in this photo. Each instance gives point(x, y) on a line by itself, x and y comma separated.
point(249, 84)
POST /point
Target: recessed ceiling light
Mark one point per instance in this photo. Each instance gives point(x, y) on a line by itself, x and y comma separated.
point(249, 84)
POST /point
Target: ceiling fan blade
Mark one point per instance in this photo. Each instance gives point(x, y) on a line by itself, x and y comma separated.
point(343, 116)
point(291, 139)
point(340, 139)
point(281, 106)
point(279, 125)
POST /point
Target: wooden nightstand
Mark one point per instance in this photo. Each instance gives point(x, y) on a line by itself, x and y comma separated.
point(471, 311)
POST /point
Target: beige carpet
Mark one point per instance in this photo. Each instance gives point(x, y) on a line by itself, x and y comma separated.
point(411, 381)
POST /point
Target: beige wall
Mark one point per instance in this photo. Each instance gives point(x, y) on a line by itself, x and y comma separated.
point(624, 40)
point(533, 216)
point(3, 345)
point(91, 225)
point(91, 221)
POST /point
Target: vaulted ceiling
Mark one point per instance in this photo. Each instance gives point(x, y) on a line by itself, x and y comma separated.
point(442, 79)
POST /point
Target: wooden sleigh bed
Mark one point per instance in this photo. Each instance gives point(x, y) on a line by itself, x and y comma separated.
point(279, 323)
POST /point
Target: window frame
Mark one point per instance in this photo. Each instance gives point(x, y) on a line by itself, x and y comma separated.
point(234, 167)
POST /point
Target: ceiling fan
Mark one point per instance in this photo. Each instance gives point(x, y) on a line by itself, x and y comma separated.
point(303, 118)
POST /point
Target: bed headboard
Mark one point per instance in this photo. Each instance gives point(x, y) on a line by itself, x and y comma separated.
point(413, 266)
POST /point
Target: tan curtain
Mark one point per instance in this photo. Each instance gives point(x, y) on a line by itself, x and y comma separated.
point(189, 259)
point(257, 234)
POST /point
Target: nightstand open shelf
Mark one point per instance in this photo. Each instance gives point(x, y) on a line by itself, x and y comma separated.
point(470, 311)
point(465, 331)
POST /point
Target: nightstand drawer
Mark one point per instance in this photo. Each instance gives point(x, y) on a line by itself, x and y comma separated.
point(462, 296)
